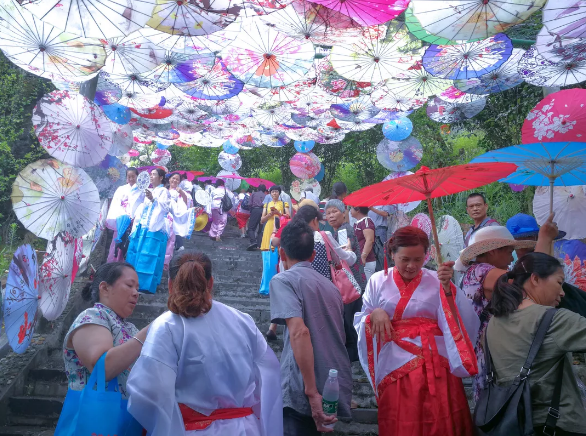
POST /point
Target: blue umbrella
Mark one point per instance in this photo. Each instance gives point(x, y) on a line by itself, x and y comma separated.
point(320, 176)
point(230, 148)
point(117, 113)
point(304, 146)
point(21, 298)
point(543, 164)
point(397, 130)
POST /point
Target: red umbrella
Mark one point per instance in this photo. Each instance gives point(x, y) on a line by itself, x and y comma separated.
point(252, 181)
point(426, 184)
point(559, 117)
point(190, 174)
point(153, 113)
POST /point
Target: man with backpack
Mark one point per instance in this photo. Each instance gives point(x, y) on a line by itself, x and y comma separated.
point(222, 203)
point(256, 205)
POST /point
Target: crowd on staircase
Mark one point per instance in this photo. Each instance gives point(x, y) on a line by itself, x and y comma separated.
point(344, 292)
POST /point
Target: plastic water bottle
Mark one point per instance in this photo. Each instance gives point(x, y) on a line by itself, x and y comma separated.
point(331, 394)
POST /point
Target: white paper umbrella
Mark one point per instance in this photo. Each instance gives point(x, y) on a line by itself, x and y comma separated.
point(40, 48)
point(229, 162)
point(423, 222)
point(55, 275)
point(122, 139)
point(72, 129)
point(538, 71)
point(132, 54)
point(387, 100)
point(93, 18)
point(299, 186)
point(566, 18)
point(445, 112)
point(557, 49)
point(569, 205)
point(450, 238)
point(416, 82)
point(49, 197)
point(231, 184)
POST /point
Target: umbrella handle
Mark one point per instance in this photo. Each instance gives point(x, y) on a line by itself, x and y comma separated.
point(434, 230)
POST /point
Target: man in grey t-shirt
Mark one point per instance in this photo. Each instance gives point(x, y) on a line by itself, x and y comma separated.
point(311, 308)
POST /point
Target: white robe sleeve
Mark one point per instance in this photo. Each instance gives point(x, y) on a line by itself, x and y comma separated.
point(117, 206)
point(268, 377)
point(459, 339)
point(151, 385)
point(348, 256)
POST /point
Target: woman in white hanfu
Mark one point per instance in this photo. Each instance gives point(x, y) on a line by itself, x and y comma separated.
point(148, 240)
point(413, 343)
point(205, 369)
point(182, 210)
point(125, 201)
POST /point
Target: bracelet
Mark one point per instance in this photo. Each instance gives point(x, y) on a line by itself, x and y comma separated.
point(141, 342)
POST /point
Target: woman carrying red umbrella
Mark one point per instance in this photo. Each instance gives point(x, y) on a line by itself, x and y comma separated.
point(413, 343)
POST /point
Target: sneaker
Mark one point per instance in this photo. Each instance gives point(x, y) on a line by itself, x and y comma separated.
point(252, 247)
point(271, 336)
point(242, 236)
point(218, 239)
point(181, 248)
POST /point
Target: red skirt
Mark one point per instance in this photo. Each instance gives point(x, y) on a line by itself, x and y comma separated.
point(406, 408)
point(242, 218)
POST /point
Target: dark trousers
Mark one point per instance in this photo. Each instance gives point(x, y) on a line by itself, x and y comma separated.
point(254, 224)
point(296, 424)
point(178, 241)
point(558, 432)
point(351, 335)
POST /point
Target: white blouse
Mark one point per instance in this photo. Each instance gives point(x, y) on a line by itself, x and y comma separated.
point(125, 202)
point(152, 214)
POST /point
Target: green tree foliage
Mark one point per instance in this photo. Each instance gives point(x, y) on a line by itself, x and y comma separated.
point(19, 92)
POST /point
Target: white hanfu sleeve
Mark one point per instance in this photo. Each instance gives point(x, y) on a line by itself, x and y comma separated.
point(117, 206)
point(459, 331)
point(268, 376)
point(151, 384)
point(348, 256)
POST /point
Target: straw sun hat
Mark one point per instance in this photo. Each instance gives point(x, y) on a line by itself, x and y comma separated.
point(488, 239)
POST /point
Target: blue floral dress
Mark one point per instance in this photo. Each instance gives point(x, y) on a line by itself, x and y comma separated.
point(472, 285)
point(122, 331)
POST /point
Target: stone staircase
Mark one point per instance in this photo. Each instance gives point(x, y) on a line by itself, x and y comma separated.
point(32, 404)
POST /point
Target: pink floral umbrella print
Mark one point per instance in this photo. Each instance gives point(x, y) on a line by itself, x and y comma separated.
point(72, 129)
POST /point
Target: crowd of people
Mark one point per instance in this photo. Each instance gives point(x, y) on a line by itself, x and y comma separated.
point(345, 290)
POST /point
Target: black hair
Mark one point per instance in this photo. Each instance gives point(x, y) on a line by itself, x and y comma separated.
point(338, 189)
point(132, 170)
point(309, 189)
point(363, 210)
point(276, 188)
point(307, 214)
point(507, 296)
point(476, 194)
point(168, 177)
point(297, 240)
point(161, 172)
point(261, 188)
point(219, 182)
point(109, 273)
point(250, 190)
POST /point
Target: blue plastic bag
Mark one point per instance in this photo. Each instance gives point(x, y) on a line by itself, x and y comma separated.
point(97, 411)
point(270, 260)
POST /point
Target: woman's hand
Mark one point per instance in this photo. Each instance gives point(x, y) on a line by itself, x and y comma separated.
point(382, 328)
point(445, 272)
point(148, 194)
point(549, 230)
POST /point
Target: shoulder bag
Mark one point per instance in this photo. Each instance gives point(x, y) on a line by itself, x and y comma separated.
point(341, 275)
point(505, 410)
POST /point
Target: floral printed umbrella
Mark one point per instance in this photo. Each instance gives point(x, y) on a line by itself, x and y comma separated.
point(299, 186)
point(334, 84)
point(450, 238)
point(108, 176)
point(365, 12)
point(557, 49)
point(399, 156)
point(190, 111)
point(469, 60)
point(538, 71)
point(131, 54)
point(264, 57)
point(21, 298)
point(416, 82)
point(55, 275)
point(361, 109)
point(49, 197)
point(569, 206)
point(271, 138)
point(72, 129)
point(179, 67)
point(566, 18)
point(386, 99)
point(93, 18)
point(445, 112)
point(122, 139)
point(302, 21)
point(471, 20)
point(289, 93)
point(381, 53)
point(423, 222)
point(305, 165)
point(40, 48)
point(161, 157)
point(504, 77)
point(419, 32)
point(135, 100)
point(560, 116)
point(136, 84)
point(269, 114)
point(217, 84)
point(188, 18)
point(229, 162)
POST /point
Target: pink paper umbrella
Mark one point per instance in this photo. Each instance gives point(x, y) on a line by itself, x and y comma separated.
point(367, 12)
point(305, 165)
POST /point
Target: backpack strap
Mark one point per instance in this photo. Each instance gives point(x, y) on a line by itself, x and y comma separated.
point(537, 341)
point(553, 413)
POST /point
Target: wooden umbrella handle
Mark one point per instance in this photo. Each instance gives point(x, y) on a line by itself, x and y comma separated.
point(434, 230)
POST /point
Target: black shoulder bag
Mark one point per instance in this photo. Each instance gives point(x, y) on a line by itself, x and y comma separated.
point(505, 410)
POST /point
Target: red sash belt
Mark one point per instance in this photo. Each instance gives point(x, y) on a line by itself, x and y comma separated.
point(196, 421)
